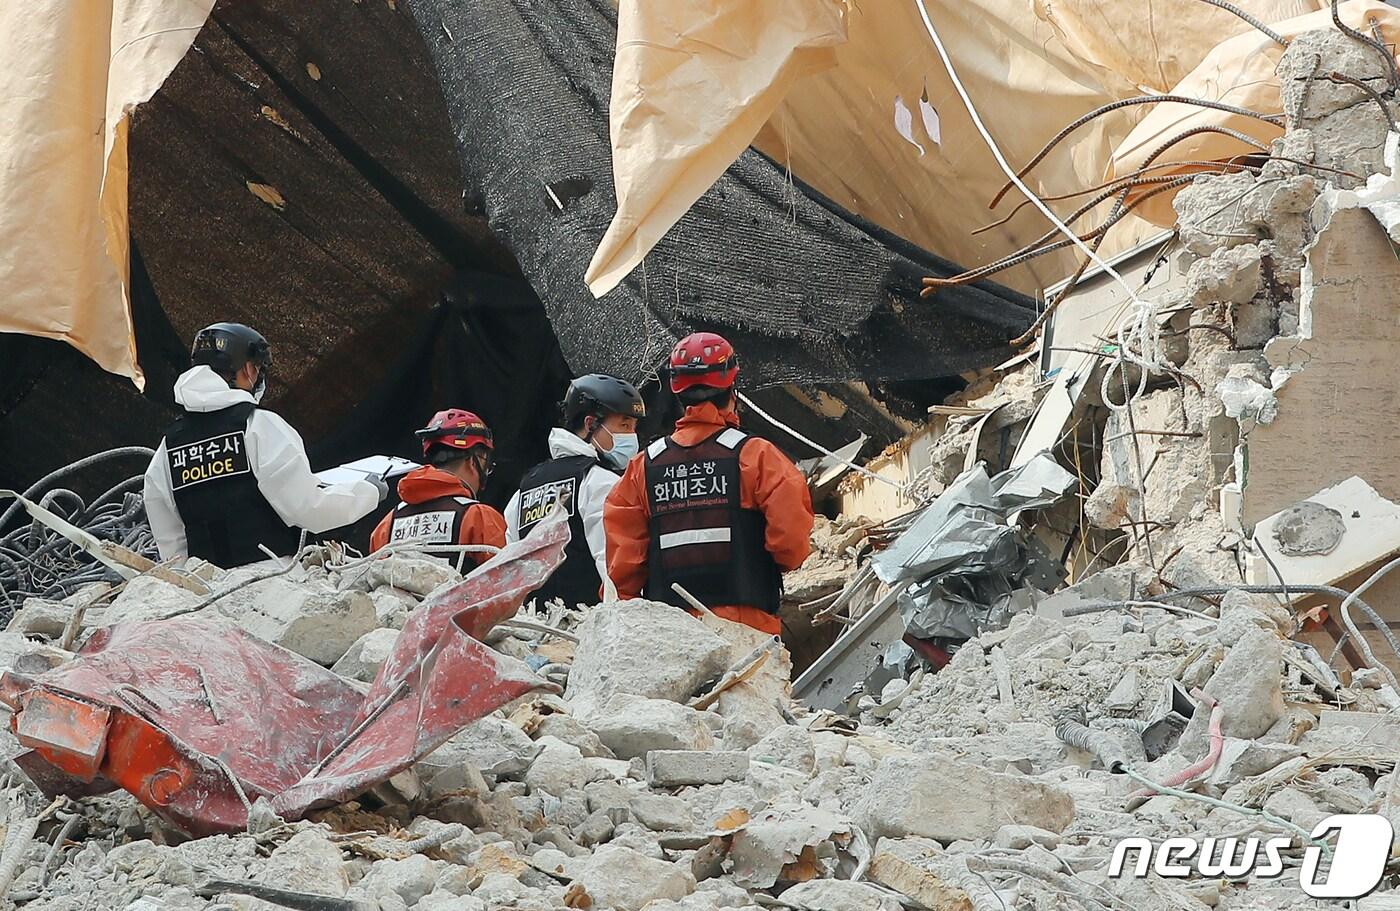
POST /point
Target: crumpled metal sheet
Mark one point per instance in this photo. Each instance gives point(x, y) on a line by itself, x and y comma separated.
point(193, 715)
point(969, 571)
point(440, 676)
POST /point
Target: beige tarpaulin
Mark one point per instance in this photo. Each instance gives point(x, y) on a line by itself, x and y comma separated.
point(1154, 45)
point(72, 71)
point(692, 84)
point(1239, 71)
point(884, 134)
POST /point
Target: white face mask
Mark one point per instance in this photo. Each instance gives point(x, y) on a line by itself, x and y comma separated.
point(624, 446)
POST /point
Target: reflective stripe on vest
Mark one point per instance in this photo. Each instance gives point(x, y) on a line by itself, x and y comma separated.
point(694, 536)
point(701, 536)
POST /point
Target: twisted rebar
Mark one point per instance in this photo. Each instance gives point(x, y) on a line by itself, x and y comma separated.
point(1032, 251)
point(1231, 8)
point(1127, 102)
point(1392, 72)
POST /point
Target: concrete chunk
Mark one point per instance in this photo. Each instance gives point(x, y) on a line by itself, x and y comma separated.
point(558, 768)
point(838, 895)
point(907, 877)
point(678, 768)
point(1019, 838)
point(634, 726)
point(40, 617)
point(149, 598)
point(1248, 685)
point(1028, 631)
point(417, 575)
point(788, 746)
point(644, 648)
point(495, 746)
point(948, 800)
point(627, 880)
point(364, 658)
point(661, 813)
point(310, 618)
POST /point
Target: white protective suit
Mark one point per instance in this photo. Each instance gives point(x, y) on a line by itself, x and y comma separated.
point(277, 457)
point(597, 484)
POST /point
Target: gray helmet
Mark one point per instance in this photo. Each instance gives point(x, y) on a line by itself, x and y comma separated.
point(600, 394)
point(226, 347)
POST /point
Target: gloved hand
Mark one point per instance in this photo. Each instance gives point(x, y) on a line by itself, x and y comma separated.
point(380, 485)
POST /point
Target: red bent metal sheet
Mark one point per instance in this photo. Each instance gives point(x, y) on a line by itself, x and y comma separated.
point(193, 716)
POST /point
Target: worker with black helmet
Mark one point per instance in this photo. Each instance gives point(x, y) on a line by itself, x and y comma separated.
point(587, 455)
point(229, 476)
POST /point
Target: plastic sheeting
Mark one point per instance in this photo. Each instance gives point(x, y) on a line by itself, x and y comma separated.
point(1239, 71)
point(884, 134)
point(971, 569)
point(677, 58)
point(73, 71)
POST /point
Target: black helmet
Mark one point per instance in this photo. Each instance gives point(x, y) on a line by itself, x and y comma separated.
point(226, 347)
point(600, 394)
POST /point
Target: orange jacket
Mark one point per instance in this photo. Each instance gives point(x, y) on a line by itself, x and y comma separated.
point(482, 524)
point(768, 482)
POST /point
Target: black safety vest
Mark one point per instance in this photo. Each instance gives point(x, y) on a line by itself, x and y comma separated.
point(435, 521)
point(226, 517)
point(700, 535)
point(576, 581)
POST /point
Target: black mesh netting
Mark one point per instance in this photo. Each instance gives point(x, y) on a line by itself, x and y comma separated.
point(807, 291)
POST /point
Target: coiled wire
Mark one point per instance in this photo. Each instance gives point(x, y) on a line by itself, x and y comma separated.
point(36, 561)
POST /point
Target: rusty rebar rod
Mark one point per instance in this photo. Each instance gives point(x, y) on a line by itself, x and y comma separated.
point(1375, 96)
point(1391, 70)
point(1032, 251)
point(1258, 24)
point(1122, 103)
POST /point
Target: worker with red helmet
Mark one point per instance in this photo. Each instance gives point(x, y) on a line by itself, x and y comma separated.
point(439, 501)
point(720, 512)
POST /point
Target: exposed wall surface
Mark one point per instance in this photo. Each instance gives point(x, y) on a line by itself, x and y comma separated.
point(1336, 415)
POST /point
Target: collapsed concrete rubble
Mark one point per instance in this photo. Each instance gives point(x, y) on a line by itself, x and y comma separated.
point(638, 787)
point(1227, 629)
point(1182, 685)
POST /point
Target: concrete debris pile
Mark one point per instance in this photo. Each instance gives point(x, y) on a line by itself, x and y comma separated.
point(1203, 429)
point(1223, 662)
point(672, 772)
point(836, 544)
point(659, 780)
point(1094, 708)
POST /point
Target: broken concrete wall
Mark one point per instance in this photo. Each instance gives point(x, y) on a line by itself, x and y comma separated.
point(1336, 409)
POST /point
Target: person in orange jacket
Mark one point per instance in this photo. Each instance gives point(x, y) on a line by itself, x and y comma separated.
point(439, 504)
point(718, 511)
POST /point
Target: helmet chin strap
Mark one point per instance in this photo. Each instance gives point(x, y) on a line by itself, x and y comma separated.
point(483, 471)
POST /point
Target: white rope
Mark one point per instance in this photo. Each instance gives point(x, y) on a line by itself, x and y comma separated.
point(1006, 168)
point(1345, 611)
point(817, 446)
point(1139, 337)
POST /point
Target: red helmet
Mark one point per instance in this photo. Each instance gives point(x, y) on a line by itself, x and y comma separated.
point(703, 359)
point(456, 428)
